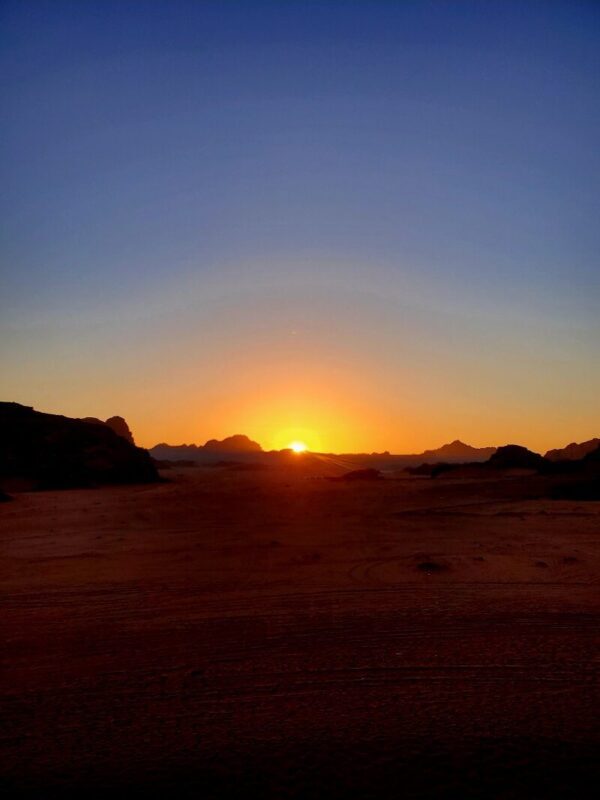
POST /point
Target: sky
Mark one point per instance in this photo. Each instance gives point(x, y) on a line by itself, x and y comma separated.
point(363, 225)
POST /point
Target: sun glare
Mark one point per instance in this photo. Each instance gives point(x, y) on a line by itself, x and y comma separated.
point(297, 447)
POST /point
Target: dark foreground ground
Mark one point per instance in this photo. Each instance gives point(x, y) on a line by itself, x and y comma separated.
point(232, 633)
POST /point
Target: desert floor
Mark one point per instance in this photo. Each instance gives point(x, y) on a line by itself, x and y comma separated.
point(226, 633)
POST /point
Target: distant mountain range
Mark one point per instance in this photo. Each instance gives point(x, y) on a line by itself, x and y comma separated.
point(47, 450)
point(573, 451)
point(242, 449)
point(241, 446)
point(458, 451)
point(238, 443)
point(214, 449)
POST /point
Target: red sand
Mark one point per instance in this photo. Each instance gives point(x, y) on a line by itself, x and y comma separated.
point(228, 632)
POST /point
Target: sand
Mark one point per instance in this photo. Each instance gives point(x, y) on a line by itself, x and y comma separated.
point(274, 632)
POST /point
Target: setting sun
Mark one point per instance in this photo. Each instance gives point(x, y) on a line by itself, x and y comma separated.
point(298, 447)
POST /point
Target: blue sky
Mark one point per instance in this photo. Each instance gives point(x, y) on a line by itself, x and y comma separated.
point(399, 184)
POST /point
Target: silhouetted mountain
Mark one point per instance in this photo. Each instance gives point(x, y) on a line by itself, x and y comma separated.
point(579, 478)
point(121, 428)
point(513, 456)
point(117, 424)
point(48, 451)
point(432, 470)
point(233, 444)
point(573, 451)
point(593, 457)
point(240, 447)
point(458, 451)
point(429, 462)
point(455, 452)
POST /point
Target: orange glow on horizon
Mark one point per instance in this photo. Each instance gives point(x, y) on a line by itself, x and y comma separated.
point(330, 409)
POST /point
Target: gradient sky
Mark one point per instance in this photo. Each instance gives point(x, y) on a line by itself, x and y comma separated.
point(364, 225)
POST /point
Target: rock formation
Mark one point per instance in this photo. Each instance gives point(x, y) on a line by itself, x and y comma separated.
point(239, 443)
point(573, 451)
point(48, 451)
point(458, 451)
point(117, 424)
point(514, 456)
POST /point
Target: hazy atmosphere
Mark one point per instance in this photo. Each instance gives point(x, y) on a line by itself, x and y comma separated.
point(365, 225)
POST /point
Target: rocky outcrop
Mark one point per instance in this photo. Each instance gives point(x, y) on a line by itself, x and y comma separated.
point(458, 451)
point(578, 479)
point(121, 428)
point(514, 456)
point(239, 443)
point(573, 451)
point(117, 424)
point(48, 451)
point(593, 457)
point(238, 447)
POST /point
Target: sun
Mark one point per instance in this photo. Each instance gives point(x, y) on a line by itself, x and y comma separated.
point(297, 447)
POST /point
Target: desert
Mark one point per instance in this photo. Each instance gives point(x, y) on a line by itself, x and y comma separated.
point(299, 399)
point(301, 637)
